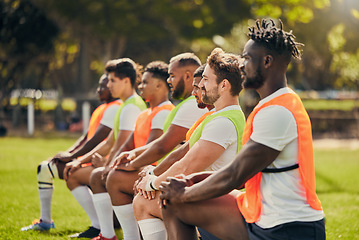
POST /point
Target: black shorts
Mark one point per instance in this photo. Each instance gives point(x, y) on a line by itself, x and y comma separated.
point(288, 231)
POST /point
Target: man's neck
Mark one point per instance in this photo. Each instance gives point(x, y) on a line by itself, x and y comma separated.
point(157, 101)
point(225, 101)
point(272, 85)
point(127, 94)
point(111, 100)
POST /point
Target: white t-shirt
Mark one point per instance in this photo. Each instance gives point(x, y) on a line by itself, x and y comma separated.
point(129, 114)
point(188, 114)
point(108, 117)
point(222, 131)
point(159, 119)
point(283, 195)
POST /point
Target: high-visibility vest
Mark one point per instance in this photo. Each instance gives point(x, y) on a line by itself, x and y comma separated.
point(172, 114)
point(195, 125)
point(144, 122)
point(97, 116)
point(235, 116)
point(249, 203)
point(135, 100)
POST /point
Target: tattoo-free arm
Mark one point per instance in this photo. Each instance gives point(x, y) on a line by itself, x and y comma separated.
point(252, 158)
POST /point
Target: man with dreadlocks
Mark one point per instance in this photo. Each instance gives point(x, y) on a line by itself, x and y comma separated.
point(275, 164)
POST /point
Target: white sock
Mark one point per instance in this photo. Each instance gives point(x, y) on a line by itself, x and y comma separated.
point(103, 206)
point(45, 203)
point(84, 197)
point(153, 229)
point(126, 217)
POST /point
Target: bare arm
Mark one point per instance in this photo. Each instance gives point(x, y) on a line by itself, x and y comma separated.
point(102, 148)
point(198, 158)
point(160, 147)
point(121, 139)
point(101, 133)
point(171, 159)
point(252, 158)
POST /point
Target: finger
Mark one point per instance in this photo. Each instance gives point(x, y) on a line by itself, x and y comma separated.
point(153, 194)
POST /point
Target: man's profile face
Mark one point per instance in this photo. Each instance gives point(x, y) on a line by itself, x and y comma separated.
point(197, 92)
point(116, 85)
point(209, 86)
point(251, 70)
point(102, 90)
point(147, 87)
point(176, 80)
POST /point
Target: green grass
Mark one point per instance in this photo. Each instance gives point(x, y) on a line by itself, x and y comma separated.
point(19, 200)
point(337, 180)
point(323, 104)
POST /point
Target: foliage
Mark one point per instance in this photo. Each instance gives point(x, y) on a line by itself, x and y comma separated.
point(26, 36)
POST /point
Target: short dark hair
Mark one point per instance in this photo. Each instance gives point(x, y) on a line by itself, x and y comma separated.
point(226, 66)
point(199, 71)
point(123, 67)
point(275, 39)
point(186, 59)
point(159, 69)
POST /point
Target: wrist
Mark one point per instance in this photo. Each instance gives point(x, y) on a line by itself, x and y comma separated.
point(150, 184)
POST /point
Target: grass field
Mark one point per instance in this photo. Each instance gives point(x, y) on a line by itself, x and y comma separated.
point(336, 169)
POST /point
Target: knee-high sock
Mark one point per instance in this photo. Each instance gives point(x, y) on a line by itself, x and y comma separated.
point(84, 197)
point(103, 206)
point(153, 229)
point(45, 203)
point(126, 217)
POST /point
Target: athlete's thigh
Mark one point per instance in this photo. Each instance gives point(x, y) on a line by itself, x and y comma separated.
point(121, 180)
point(219, 216)
point(82, 175)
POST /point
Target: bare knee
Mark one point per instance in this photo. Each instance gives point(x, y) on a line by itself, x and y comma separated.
point(139, 207)
point(145, 209)
point(96, 177)
point(113, 181)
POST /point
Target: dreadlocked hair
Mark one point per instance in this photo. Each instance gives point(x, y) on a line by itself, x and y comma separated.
point(275, 39)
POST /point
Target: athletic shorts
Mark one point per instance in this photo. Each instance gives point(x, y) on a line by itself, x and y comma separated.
point(206, 235)
point(288, 231)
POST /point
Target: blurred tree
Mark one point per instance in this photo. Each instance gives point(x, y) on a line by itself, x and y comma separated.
point(144, 30)
point(329, 30)
point(26, 36)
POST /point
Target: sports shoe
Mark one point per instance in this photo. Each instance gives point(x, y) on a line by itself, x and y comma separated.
point(91, 232)
point(100, 237)
point(39, 225)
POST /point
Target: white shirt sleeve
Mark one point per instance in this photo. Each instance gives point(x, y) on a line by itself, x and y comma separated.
point(188, 114)
point(221, 131)
point(129, 114)
point(109, 115)
point(159, 119)
point(274, 127)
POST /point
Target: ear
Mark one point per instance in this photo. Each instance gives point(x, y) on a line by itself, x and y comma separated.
point(189, 76)
point(225, 84)
point(268, 61)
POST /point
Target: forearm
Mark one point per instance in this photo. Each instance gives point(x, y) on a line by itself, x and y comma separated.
point(99, 136)
point(79, 142)
point(212, 186)
point(151, 155)
point(252, 159)
point(171, 159)
point(102, 148)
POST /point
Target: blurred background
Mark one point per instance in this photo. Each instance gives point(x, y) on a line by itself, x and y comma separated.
point(53, 52)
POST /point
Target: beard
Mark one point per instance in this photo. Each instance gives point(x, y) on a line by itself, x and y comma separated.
point(201, 105)
point(179, 90)
point(210, 97)
point(254, 82)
